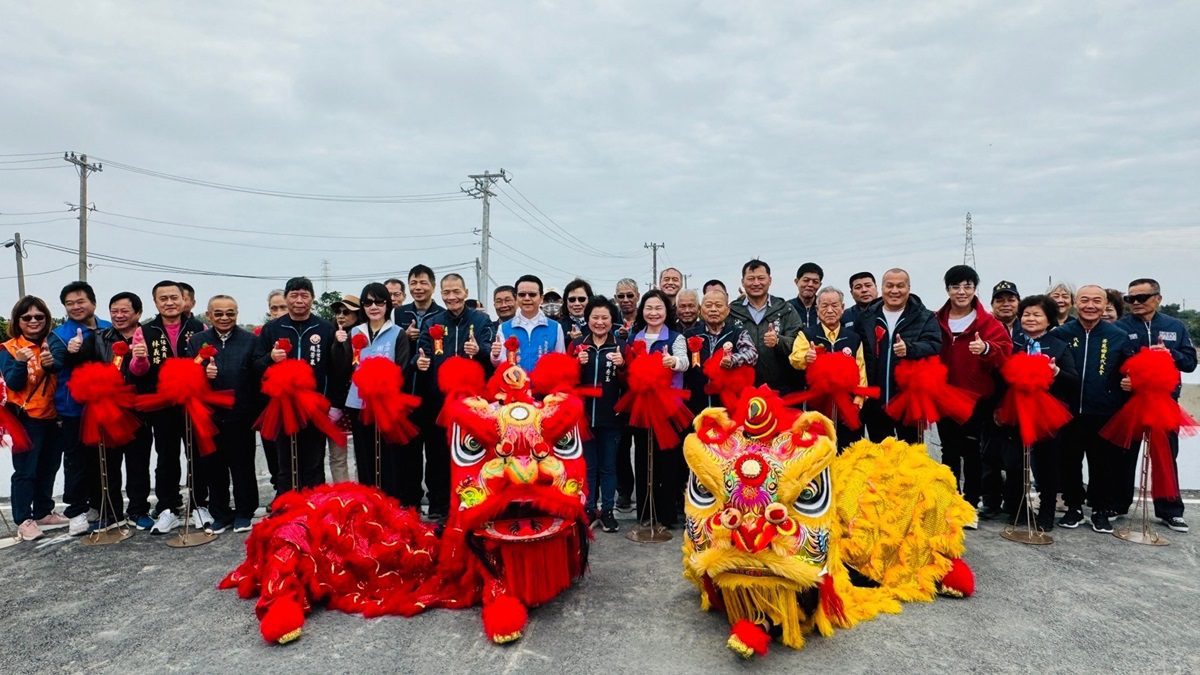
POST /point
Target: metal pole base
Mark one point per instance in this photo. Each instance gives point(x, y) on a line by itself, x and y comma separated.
point(9, 541)
point(1145, 536)
point(105, 537)
point(190, 539)
point(648, 534)
point(1025, 536)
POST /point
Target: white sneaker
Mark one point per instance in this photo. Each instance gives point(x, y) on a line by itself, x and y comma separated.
point(78, 525)
point(166, 522)
point(201, 518)
point(93, 515)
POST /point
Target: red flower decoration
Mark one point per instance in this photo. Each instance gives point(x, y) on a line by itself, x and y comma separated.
point(437, 331)
point(284, 344)
point(880, 333)
point(257, 330)
point(359, 341)
point(120, 348)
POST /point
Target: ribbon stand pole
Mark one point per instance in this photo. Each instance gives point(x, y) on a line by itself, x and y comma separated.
point(652, 532)
point(187, 538)
point(12, 538)
point(1030, 533)
point(378, 461)
point(1146, 535)
point(115, 533)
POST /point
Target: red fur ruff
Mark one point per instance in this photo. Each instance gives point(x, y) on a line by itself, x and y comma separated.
point(652, 402)
point(925, 396)
point(959, 581)
point(459, 377)
point(293, 403)
point(728, 383)
point(380, 383)
point(282, 621)
point(1027, 402)
point(182, 382)
point(12, 426)
point(504, 618)
point(831, 602)
point(833, 382)
point(1152, 413)
point(751, 636)
point(108, 404)
point(555, 373)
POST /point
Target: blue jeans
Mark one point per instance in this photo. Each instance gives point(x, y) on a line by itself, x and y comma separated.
point(34, 470)
point(600, 453)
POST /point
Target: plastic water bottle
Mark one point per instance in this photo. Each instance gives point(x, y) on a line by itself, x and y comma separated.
point(1034, 348)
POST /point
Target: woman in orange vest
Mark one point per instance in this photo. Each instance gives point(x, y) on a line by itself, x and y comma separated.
point(28, 367)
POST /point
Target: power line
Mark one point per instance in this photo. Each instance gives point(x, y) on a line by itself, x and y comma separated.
point(286, 234)
point(31, 213)
point(32, 154)
point(368, 199)
point(531, 259)
point(560, 228)
point(32, 168)
point(319, 249)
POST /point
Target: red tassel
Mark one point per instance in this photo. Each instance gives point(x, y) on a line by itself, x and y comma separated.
point(513, 346)
point(1152, 413)
point(959, 582)
point(504, 619)
point(282, 621)
point(831, 602)
point(1027, 402)
point(537, 571)
point(749, 639)
point(833, 382)
point(293, 403)
point(651, 401)
point(728, 383)
point(182, 382)
point(380, 383)
point(925, 396)
point(108, 404)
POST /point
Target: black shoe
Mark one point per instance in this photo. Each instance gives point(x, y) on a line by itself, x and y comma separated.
point(989, 513)
point(593, 517)
point(1176, 523)
point(1045, 524)
point(608, 523)
point(218, 527)
point(624, 504)
point(1071, 519)
point(1101, 523)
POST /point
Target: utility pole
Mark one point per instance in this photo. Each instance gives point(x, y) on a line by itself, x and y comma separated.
point(325, 276)
point(16, 246)
point(969, 244)
point(479, 279)
point(483, 181)
point(654, 261)
point(82, 166)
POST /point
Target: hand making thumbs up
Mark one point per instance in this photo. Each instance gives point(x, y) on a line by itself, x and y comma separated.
point(770, 338)
point(412, 331)
point(496, 345)
point(75, 343)
point(422, 360)
point(471, 347)
point(977, 346)
point(899, 348)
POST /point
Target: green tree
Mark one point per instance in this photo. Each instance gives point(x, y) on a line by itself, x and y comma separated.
point(1189, 317)
point(322, 307)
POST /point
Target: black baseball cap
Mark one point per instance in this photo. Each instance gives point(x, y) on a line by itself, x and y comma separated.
point(1005, 287)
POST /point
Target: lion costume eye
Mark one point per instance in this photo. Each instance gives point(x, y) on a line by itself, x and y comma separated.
point(466, 450)
point(814, 498)
point(697, 494)
point(568, 446)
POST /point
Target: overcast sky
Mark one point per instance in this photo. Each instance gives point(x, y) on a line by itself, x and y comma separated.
point(857, 138)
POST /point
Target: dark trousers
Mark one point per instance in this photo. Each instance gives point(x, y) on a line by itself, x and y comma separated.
point(272, 456)
point(309, 464)
point(137, 471)
point(960, 452)
point(880, 425)
point(1045, 462)
point(76, 481)
point(104, 476)
point(993, 449)
point(388, 479)
point(428, 451)
point(167, 425)
point(600, 454)
point(1081, 438)
point(34, 470)
point(232, 461)
point(625, 479)
point(1170, 507)
point(667, 463)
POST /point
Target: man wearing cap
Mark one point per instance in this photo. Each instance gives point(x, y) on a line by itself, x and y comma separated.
point(1005, 299)
point(1149, 328)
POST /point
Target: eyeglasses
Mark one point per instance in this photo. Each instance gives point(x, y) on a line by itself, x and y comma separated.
point(344, 312)
point(223, 315)
point(964, 287)
point(578, 298)
point(33, 317)
point(1131, 299)
point(528, 294)
point(626, 296)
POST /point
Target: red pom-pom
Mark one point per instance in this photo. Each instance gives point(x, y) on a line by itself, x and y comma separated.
point(380, 383)
point(511, 343)
point(108, 404)
point(284, 345)
point(437, 331)
point(294, 403)
point(695, 343)
point(257, 331)
point(1027, 402)
point(925, 396)
point(12, 426)
point(833, 382)
point(728, 383)
point(120, 348)
point(459, 377)
point(504, 619)
point(282, 622)
point(555, 373)
point(652, 401)
point(359, 341)
point(748, 639)
point(182, 382)
point(207, 352)
point(959, 582)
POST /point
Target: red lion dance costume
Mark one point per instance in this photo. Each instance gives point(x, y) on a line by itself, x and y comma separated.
point(516, 537)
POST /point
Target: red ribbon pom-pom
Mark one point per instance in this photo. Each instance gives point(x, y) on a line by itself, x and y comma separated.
point(359, 341)
point(512, 344)
point(182, 382)
point(728, 383)
point(695, 343)
point(925, 396)
point(833, 382)
point(294, 403)
point(1027, 402)
point(380, 383)
point(284, 345)
point(108, 404)
point(651, 400)
point(119, 348)
point(437, 331)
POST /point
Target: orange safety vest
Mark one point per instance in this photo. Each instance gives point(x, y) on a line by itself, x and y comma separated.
point(36, 399)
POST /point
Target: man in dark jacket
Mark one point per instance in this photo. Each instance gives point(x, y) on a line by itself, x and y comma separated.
point(1149, 328)
point(772, 323)
point(864, 292)
point(1098, 349)
point(808, 281)
point(310, 337)
point(717, 334)
point(167, 336)
point(896, 327)
point(468, 333)
point(232, 369)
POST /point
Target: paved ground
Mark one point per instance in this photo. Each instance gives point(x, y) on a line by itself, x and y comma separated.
point(1087, 603)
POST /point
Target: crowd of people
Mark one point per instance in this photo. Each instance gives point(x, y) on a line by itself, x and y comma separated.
point(1087, 332)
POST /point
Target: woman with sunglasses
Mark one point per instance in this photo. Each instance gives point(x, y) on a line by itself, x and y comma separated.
point(576, 297)
point(386, 340)
point(654, 328)
point(346, 315)
point(28, 367)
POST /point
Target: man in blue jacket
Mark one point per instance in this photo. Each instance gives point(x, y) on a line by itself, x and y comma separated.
point(1149, 328)
point(81, 469)
point(1098, 349)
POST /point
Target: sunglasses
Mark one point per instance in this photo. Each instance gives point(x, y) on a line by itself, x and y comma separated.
point(1140, 297)
point(577, 299)
point(626, 296)
point(528, 295)
point(344, 312)
point(33, 317)
point(374, 303)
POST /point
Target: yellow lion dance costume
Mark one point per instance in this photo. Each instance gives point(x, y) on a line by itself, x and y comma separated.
point(785, 535)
